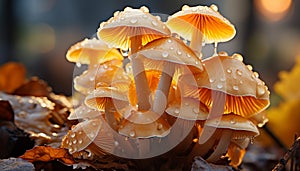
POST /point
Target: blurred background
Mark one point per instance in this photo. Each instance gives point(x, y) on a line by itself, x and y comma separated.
point(38, 33)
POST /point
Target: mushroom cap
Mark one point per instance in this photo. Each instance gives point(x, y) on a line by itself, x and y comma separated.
point(246, 94)
point(169, 49)
point(213, 26)
point(143, 125)
point(84, 112)
point(81, 135)
point(129, 23)
point(99, 97)
point(99, 75)
point(188, 109)
point(241, 127)
point(92, 51)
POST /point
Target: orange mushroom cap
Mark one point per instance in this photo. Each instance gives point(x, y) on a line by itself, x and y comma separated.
point(171, 50)
point(129, 23)
point(246, 94)
point(92, 51)
point(213, 26)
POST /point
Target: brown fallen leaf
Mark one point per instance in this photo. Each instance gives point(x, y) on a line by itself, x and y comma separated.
point(46, 154)
point(33, 87)
point(6, 111)
point(12, 75)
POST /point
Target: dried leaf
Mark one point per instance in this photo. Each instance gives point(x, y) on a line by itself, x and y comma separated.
point(6, 111)
point(12, 75)
point(34, 87)
point(46, 154)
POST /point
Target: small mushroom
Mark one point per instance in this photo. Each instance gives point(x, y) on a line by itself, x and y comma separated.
point(92, 51)
point(229, 127)
point(84, 134)
point(99, 75)
point(84, 112)
point(168, 55)
point(201, 24)
point(143, 125)
point(133, 28)
point(188, 109)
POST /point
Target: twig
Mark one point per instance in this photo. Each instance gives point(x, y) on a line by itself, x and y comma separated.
point(287, 155)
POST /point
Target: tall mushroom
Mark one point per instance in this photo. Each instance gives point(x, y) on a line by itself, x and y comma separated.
point(132, 29)
point(201, 24)
point(167, 55)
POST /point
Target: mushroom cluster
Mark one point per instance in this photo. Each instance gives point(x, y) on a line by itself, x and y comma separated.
point(145, 77)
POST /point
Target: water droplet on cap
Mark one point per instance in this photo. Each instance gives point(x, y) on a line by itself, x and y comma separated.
point(80, 141)
point(232, 121)
point(185, 7)
point(211, 80)
point(116, 13)
point(132, 133)
point(260, 90)
point(223, 53)
point(239, 72)
point(235, 88)
point(159, 126)
point(176, 111)
point(196, 110)
point(219, 86)
point(228, 71)
point(165, 54)
point(73, 134)
point(154, 23)
point(179, 52)
point(214, 7)
point(144, 9)
point(237, 56)
point(249, 67)
point(74, 141)
point(133, 21)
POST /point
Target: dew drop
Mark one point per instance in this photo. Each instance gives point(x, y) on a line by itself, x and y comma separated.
point(133, 21)
point(214, 7)
point(239, 72)
point(70, 150)
point(194, 9)
point(186, 103)
point(171, 48)
point(74, 141)
point(73, 135)
point(105, 66)
point(70, 143)
point(196, 110)
point(176, 111)
point(144, 9)
point(92, 78)
point(154, 23)
point(169, 41)
point(260, 90)
point(158, 18)
point(132, 133)
point(211, 80)
point(78, 64)
point(223, 53)
point(91, 135)
point(94, 124)
point(188, 55)
point(178, 52)
point(249, 67)
point(116, 13)
point(235, 88)
point(232, 121)
point(255, 74)
point(219, 86)
point(159, 126)
point(222, 79)
point(116, 143)
point(165, 54)
point(80, 141)
point(127, 9)
point(237, 56)
point(185, 7)
point(228, 71)
point(241, 82)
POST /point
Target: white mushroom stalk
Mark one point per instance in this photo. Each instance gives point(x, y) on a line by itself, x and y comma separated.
point(216, 111)
point(142, 88)
point(221, 147)
point(162, 92)
point(196, 42)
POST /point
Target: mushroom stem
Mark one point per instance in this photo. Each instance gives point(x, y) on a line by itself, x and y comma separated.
point(109, 114)
point(142, 88)
point(162, 91)
point(216, 111)
point(196, 42)
point(221, 147)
